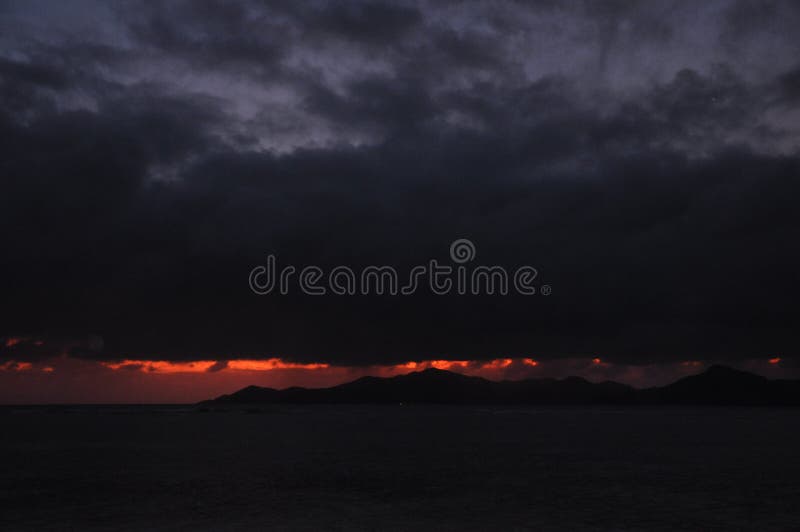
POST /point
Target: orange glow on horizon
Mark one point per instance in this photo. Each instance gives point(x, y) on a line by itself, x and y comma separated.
point(63, 378)
point(11, 342)
point(208, 366)
point(161, 366)
point(202, 366)
point(448, 364)
point(13, 365)
point(272, 363)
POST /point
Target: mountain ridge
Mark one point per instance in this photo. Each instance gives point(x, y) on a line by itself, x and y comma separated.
point(718, 385)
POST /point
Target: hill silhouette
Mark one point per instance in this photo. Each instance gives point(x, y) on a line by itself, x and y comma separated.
point(726, 386)
point(718, 385)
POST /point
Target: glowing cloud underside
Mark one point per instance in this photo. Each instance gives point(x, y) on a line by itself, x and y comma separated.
point(270, 364)
point(201, 366)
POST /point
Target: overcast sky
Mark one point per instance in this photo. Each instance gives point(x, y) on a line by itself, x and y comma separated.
point(643, 157)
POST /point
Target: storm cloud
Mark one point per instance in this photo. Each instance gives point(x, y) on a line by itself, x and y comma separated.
point(644, 158)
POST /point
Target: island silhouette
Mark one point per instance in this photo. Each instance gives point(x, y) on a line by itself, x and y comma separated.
point(718, 385)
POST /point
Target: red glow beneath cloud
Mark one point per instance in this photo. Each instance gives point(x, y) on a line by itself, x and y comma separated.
point(63, 379)
point(471, 367)
point(202, 366)
point(13, 365)
point(270, 364)
point(11, 342)
point(74, 380)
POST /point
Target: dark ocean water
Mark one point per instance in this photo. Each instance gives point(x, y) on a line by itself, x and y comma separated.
point(399, 468)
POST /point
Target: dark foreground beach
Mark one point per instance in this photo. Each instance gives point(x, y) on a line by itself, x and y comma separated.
point(399, 468)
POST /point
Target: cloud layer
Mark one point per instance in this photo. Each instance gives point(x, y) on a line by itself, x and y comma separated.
point(643, 158)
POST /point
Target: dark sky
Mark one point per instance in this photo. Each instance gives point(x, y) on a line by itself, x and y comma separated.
point(644, 157)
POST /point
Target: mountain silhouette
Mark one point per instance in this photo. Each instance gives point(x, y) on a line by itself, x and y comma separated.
point(726, 386)
point(718, 385)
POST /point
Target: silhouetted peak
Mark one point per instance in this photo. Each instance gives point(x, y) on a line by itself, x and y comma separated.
point(574, 379)
point(716, 385)
point(435, 373)
point(718, 371)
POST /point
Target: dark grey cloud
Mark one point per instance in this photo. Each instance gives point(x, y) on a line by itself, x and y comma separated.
point(152, 154)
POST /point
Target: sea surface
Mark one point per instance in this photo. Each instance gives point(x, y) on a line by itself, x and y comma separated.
point(399, 468)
